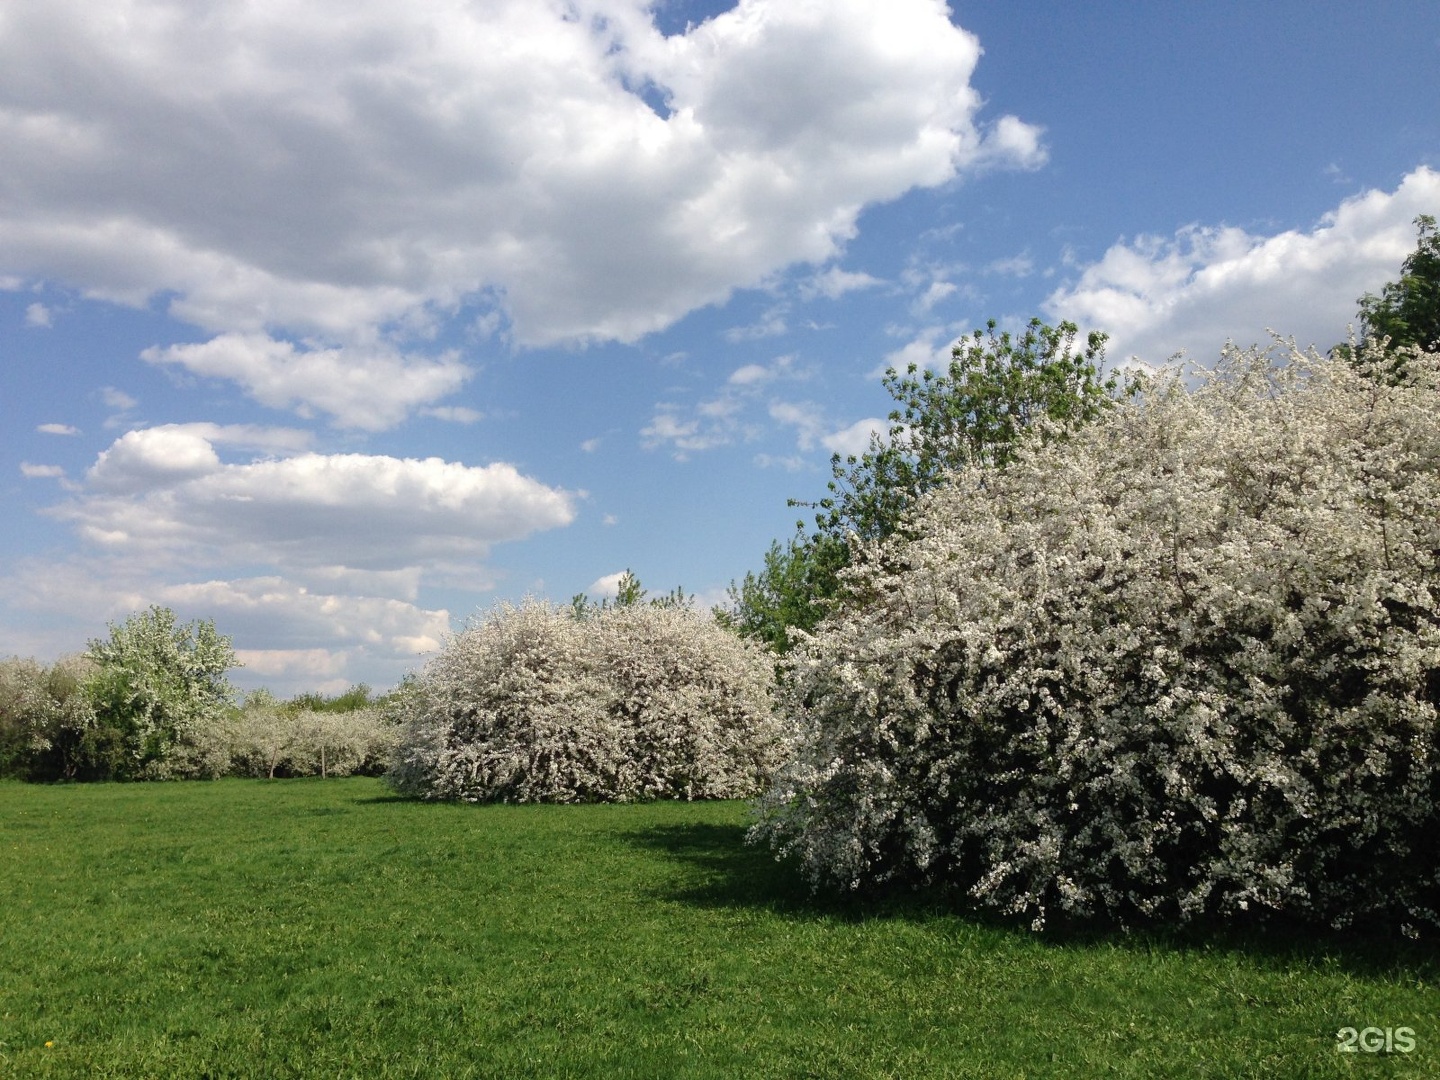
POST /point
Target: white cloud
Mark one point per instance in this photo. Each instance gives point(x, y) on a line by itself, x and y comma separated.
point(371, 388)
point(313, 666)
point(164, 494)
point(1158, 296)
point(750, 373)
point(57, 429)
point(1015, 266)
point(692, 435)
point(922, 351)
point(290, 618)
point(455, 414)
point(1014, 143)
point(937, 292)
point(117, 399)
point(39, 315)
point(855, 439)
point(607, 587)
point(719, 421)
point(770, 324)
point(788, 462)
point(754, 374)
point(327, 168)
point(152, 458)
point(41, 472)
point(835, 283)
point(806, 417)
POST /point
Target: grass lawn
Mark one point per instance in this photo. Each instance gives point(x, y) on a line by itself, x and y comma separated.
point(307, 928)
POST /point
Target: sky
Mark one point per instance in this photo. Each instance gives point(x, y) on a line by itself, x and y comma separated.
point(337, 322)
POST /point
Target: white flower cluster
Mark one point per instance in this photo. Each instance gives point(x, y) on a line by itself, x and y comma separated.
point(1184, 664)
point(530, 704)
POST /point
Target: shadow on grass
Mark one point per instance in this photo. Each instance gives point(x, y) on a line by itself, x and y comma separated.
point(727, 872)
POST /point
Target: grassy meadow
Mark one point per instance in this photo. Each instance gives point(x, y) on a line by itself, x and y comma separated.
point(311, 928)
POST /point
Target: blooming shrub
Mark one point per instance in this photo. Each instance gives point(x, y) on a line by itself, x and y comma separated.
point(693, 700)
point(1185, 664)
point(531, 704)
point(44, 717)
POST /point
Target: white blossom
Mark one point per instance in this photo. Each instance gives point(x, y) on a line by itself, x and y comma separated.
point(530, 704)
point(1184, 663)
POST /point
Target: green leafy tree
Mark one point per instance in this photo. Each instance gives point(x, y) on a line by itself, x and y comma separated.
point(997, 389)
point(792, 590)
point(1405, 316)
point(159, 690)
point(1408, 311)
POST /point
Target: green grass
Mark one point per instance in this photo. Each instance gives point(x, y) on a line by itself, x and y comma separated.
point(322, 928)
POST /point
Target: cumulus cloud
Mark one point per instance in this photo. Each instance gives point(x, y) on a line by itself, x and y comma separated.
point(291, 618)
point(165, 493)
point(606, 587)
point(1157, 296)
point(39, 315)
point(855, 439)
point(310, 169)
point(57, 429)
point(371, 388)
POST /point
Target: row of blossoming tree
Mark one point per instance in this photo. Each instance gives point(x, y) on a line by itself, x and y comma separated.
point(153, 701)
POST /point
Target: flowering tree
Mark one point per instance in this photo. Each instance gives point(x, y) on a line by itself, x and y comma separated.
point(1184, 664)
point(157, 689)
point(297, 738)
point(531, 704)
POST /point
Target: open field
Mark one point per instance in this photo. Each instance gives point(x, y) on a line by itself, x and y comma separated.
point(323, 928)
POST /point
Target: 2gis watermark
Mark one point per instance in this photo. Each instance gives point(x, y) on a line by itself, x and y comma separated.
point(1375, 1040)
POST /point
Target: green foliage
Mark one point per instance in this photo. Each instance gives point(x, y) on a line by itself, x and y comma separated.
point(1405, 317)
point(998, 390)
point(356, 697)
point(629, 593)
point(158, 689)
point(791, 591)
point(1408, 311)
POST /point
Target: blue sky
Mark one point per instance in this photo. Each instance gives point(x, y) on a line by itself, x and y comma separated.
point(339, 322)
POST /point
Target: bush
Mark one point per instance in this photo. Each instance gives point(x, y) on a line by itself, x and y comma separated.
point(44, 718)
point(1183, 665)
point(532, 704)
